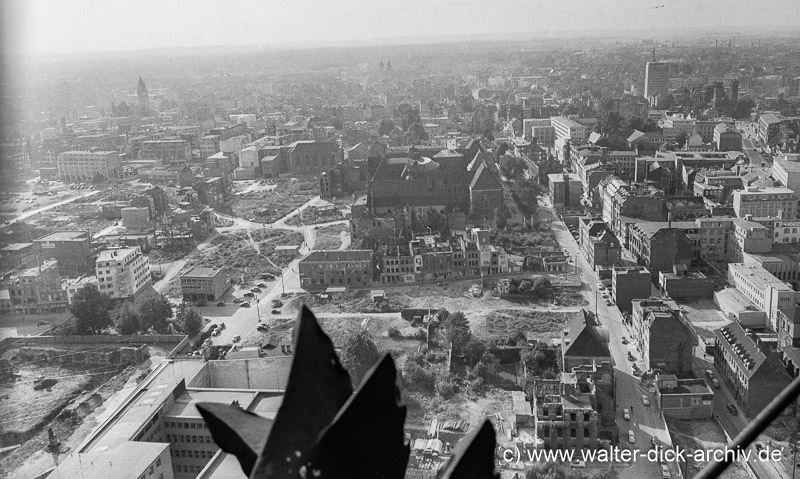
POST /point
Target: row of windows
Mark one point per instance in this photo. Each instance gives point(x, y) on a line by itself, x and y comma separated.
point(186, 425)
point(187, 468)
point(189, 439)
point(192, 454)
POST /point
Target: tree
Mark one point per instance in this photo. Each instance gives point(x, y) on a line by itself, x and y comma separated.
point(457, 332)
point(474, 351)
point(192, 322)
point(129, 324)
point(500, 219)
point(487, 367)
point(542, 288)
point(446, 385)
point(386, 127)
point(418, 378)
point(358, 355)
point(155, 313)
point(681, 138)
point(90, 308)
point(433, 219)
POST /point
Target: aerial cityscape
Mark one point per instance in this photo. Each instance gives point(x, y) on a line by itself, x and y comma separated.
point(579, 243)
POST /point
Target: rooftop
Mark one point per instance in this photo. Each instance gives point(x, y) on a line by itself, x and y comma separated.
point(127, 460)
point(758, 276)
point(338, 256)
point(201, 272)
point(65, 236)
point(185, 404)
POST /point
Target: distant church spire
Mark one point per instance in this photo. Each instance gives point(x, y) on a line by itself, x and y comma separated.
point(144, 97)
point(654, 54)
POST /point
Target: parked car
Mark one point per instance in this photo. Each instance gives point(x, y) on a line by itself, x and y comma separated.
point(262, 285)
point(601, 287)
point(665, 472)
point(609, 302)
point(42, 323)
point(236, 338)
point(249, 295)
point(217, 332)
point(710, 373)
point(276, 311)
point(261, 326)
point(221, 303)
point(255, 290)
point(631, 437)
point(624, 340)
point(441, 283)
point(645, 401)
point(221, 325)
point(759, 445)
point(237, 300)
point(245, 305)
point(626, 415)
point(732, 409)
point(715, 382)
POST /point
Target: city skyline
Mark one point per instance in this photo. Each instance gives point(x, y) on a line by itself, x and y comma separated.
point(88, 26)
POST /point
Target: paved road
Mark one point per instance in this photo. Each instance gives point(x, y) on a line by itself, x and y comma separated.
point(646, 421)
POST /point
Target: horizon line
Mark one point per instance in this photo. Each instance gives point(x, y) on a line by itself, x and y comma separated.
point(388, 41)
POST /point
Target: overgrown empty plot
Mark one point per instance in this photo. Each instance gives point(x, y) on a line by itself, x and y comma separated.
point(507, 322)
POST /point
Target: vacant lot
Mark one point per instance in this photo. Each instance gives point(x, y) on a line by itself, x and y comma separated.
point(330, 237)
point(245, 256)
point(507, 322)
point(704, 435)
point(268, 206)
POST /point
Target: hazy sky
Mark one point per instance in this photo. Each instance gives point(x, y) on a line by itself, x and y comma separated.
point(43, 26)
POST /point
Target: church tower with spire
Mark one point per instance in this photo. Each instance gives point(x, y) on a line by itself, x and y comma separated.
point(144, 97)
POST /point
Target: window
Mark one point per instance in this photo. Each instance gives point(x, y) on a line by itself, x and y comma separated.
point(158, 462)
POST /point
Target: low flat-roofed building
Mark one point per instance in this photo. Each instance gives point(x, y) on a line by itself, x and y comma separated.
point(734, 305)
point(126, 460)
point(681, 283)
point(204, 284)
point(522, 408)
point(684, 398)
point(72, 249)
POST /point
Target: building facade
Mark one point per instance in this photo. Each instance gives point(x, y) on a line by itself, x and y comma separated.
point(85, 166)
point(334, 268)
point(123, 273)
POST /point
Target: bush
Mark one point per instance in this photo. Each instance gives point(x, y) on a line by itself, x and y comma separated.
point(394, 333)
point(446, 386)
point(416, 378)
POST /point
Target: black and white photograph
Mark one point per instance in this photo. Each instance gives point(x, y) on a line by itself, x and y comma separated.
point(414, 239)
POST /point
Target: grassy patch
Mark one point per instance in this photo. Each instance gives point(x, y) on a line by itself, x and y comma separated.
point(509, 321)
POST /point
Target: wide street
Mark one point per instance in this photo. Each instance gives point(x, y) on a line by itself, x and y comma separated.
point(646, 421)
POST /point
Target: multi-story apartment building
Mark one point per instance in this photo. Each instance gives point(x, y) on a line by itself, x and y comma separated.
point(679, 121)
point(565, 190)
point(204, 284)
point(624, 163)
point(786, 232)
point(171, 153)
point(760, 202)
point(35, 290)
point(769, 126)
point(334, 268)
point(726, 138)
point(86, 165)
point(763, 289)
point(629, 283)
point(72, 250)
point(569, 129)
point(659, 248)
point(209, 146)
point(661, 335)
point(786, 170)
point(123, 273)
point(598, 243)
point(750, 367)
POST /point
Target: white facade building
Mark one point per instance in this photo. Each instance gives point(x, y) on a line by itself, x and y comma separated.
point(123, 272)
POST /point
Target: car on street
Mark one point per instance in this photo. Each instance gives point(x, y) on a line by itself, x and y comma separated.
point(636, 371)
point(624, 340)
point(759, 445)
point(710, 373)
point(262, 285)
point(249, 295)
point(715, 382)
point(217, 332)
point(42, 323)
point(236, 338)
point(220, 303)
point(441, 283)
point(255, 290)
point(237, 300)
point(645, 401)
point(276, 311)
point(609, 302)
point(665, 472)
point(261, 326)
point(601, 287)
point(605, 295)
point(245, 305)
point(732, 409)
point(626, 415)
point(631, 437)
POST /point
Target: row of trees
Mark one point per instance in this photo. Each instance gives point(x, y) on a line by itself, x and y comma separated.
point(92, 311)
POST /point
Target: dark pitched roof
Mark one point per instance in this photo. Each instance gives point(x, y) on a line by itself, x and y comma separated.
point(484, 180)
point(585, 339)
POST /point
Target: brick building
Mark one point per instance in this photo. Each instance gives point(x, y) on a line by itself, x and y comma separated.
point(662, 336)
point(751, 369)
point(629, 284)
point(72, 250)
point(322, 269)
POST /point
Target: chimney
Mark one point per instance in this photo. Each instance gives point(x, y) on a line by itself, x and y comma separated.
point(780, 215)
